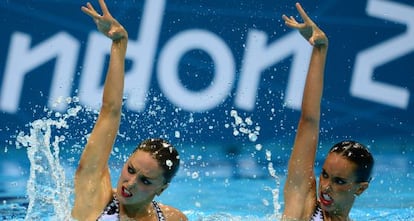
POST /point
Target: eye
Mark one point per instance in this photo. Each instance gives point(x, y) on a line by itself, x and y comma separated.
point(145, 181)
point(131, 170)
point(324, 174)
point(340, 181)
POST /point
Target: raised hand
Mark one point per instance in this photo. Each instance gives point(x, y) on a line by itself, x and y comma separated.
point(308, 29)
point(105, 23)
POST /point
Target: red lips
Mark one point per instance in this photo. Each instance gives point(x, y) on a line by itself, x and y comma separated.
point(125, 192)
point(325, 199)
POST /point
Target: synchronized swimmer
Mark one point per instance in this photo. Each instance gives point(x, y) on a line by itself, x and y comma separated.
point(152, 165)
point(149, 169)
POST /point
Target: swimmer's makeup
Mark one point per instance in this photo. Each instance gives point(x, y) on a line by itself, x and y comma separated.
point(146, 180)
point(337, 180)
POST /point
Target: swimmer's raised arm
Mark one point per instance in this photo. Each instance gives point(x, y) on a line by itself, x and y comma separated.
point(92, 179)
point(300, 187)
point(308, 29)
point(105, 23)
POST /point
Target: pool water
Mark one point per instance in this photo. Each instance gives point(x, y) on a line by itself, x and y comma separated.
point(213, 183)
point(214, 193)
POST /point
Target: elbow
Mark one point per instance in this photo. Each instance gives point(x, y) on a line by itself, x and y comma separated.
point(309, 123)
point(310, 120)
point(113, 108)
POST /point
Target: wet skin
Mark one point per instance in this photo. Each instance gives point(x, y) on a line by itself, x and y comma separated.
point(337, 185)
point(141, 179)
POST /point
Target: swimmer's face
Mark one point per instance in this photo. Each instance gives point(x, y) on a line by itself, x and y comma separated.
point(337, 184)
point(141, 179)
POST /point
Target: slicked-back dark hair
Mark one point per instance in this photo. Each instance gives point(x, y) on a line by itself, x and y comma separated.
point(165, 154)
point(358, 154)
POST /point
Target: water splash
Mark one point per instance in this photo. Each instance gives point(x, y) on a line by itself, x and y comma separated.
point(247, 127)
point(47, 189)
point(275, 191)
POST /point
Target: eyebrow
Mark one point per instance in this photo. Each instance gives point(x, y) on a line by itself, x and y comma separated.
point(336, 177)
point(141, 174)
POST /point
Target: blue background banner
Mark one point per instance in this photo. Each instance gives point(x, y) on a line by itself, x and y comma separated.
point(190, 63)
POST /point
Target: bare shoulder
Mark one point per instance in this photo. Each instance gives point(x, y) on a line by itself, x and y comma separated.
point(172, 214)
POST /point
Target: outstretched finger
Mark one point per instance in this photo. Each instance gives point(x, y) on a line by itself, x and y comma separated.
point(286, 18)
point(302, 13)
point(290, 21)
point(89, 10)
point(104, 9)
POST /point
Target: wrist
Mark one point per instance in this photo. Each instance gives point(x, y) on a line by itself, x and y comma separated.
point(122, 36)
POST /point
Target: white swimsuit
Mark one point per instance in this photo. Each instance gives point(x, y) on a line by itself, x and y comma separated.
point(318, 214)
point(111, 212)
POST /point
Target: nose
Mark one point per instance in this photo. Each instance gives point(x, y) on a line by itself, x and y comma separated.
point(326, 186)
point(131, 182)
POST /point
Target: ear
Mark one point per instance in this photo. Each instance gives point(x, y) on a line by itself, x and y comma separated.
point(162, 188)
point(362, 187)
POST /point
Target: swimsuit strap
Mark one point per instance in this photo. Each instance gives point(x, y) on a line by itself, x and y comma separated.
point(111, 211)
point(157, 208)
point(317, 214)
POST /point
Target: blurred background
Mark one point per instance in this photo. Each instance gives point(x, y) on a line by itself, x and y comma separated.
point(222, 80)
